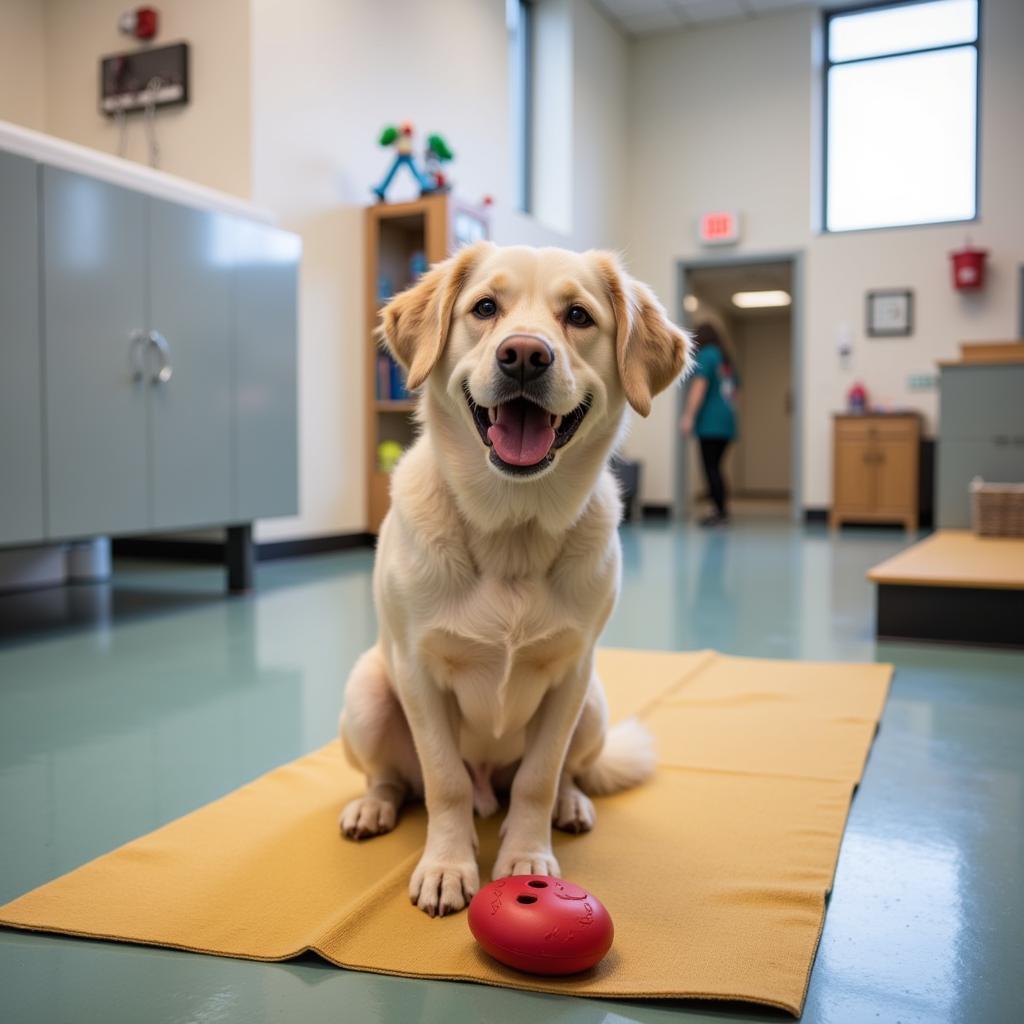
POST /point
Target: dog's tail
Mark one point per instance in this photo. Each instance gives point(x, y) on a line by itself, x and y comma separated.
point(626, 760)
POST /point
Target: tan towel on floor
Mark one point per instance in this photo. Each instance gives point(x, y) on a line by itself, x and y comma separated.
point(715, 872)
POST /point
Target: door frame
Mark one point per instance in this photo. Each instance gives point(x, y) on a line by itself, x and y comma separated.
point(1020, 303)
point(680, 466)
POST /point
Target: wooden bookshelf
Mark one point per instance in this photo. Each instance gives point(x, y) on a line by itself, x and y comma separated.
point(432, 226)
point(396, 405)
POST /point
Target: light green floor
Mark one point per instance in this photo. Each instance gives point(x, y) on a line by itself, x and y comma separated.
point(160, 696)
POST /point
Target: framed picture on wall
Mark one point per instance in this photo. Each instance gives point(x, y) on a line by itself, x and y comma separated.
point(890, 313)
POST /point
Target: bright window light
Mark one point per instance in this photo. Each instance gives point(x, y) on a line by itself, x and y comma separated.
point(760, 300)
point(901, 145)
point(519, 20)
point(874, 33)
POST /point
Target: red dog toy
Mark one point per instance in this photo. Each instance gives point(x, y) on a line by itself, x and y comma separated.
point(541, 924)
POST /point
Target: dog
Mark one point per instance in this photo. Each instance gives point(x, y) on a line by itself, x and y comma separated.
point(498, 563)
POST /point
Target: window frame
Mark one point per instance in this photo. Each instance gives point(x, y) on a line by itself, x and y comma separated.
point(827, 64)
point(520, 16)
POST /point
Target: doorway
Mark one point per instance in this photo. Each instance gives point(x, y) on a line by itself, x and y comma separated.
point(754, 303)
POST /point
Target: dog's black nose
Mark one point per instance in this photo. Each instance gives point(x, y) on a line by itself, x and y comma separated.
point(524, 357)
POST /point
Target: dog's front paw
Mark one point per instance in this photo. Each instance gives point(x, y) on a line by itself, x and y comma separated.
point(574, 811)
point(520, 861)
point(367, 816)
point(440, 887)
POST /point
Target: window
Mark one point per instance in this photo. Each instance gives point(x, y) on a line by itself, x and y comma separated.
point(520, 33)
point(901, 114)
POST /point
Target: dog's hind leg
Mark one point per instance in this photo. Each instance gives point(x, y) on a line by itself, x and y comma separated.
point(376, 738)
point(574, 810)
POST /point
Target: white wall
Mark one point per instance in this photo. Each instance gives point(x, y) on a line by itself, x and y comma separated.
point(207, 141)
point(22, 58)
point(600, 127)
point(320, 99)
point(288, 100)
point(722, 116)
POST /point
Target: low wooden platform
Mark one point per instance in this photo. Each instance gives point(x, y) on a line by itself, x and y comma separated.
point(955, 587)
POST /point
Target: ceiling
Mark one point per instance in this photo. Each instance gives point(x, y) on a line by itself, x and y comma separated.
point(715, 287)
point(639, 17)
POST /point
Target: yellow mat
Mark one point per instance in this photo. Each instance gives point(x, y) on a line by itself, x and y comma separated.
point(715, 872)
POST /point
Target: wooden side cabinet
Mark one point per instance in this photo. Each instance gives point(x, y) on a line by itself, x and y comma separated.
point(875, 468)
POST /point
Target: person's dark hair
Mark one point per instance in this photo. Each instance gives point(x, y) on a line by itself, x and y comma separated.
point(707, 334)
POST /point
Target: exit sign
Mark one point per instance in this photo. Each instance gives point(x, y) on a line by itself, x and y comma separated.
point(719, 227)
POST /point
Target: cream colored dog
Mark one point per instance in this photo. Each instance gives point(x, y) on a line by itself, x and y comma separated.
point(498, 564)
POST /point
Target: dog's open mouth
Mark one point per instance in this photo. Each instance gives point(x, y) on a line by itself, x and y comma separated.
point(522, 435)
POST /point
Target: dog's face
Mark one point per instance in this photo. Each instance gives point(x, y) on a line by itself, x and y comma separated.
point(534, 350)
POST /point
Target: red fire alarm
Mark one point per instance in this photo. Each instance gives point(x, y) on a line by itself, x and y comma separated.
point(141, 22)
point(968, 268)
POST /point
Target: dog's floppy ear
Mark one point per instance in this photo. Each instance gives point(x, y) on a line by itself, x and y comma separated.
point(415, 323)
point(650, 350)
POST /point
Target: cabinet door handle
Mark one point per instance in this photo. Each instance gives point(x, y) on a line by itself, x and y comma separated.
point(137, 355)
point(1001, 439)
point(164, 370)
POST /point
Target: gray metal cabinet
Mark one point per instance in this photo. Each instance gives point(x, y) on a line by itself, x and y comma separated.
point(21, 421)
point(148, 370)
point(94, 280)
point(190, 270)
point(981, 433)
point(264, 300)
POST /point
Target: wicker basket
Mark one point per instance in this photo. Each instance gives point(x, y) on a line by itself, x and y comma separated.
point(997, 510)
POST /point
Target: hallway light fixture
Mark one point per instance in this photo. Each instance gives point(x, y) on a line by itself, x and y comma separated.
point(760, 300)
point(690, 303)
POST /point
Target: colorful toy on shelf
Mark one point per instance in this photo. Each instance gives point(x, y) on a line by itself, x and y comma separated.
point(418, 265)
point(390, 380)
point(436, 155)
point(399, 392)
point(388, 454)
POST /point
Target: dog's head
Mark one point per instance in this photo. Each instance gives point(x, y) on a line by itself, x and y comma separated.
point(534, 350)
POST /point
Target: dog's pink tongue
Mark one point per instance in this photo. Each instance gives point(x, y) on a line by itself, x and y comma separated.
point(523, 434)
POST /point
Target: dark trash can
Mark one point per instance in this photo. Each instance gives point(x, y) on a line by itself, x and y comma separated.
point(627, 472)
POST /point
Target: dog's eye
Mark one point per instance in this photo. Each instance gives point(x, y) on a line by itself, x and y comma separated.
point(579, 317)
point(485, 309)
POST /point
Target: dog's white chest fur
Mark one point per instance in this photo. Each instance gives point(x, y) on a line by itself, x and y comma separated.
point(497, 618)
point(498, 651)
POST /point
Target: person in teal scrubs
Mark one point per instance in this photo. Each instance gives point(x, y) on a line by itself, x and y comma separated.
point(710, 413)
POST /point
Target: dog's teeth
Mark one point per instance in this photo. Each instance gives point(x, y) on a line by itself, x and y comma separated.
point(492, 415)
point(556, 421)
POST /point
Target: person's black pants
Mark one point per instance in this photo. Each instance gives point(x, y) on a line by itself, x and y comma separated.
point(711, 451)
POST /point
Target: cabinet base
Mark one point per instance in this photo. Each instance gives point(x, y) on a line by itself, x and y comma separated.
point(239, 558)
point(909, 522)
point(962, 615)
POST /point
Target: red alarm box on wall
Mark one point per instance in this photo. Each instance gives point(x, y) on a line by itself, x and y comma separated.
point(968, 268)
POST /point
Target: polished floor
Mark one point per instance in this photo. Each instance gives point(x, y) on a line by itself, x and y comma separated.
point(123, 706)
